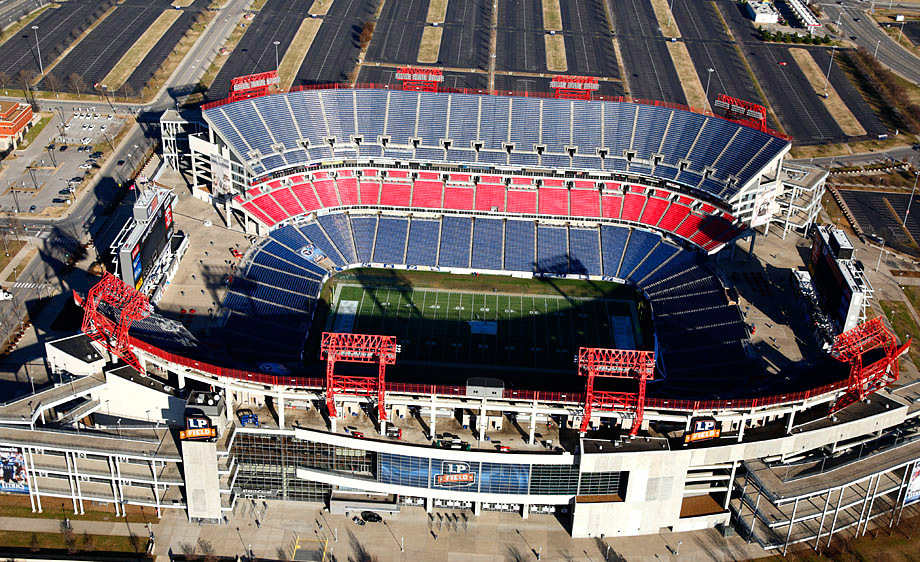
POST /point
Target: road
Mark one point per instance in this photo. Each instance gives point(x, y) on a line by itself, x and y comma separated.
point(54, 236)
point(869, 35)
point(12, 10)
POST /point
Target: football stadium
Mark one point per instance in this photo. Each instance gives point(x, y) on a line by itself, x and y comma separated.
point(482, 301)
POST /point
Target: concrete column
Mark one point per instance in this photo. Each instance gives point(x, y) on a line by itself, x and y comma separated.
point(477, 508)
point(731, 484)
point(70, 480)
point(76, 474)
point(533, 421)
point(525, 511)
point(482, 421)
point(33, 480)
point(753, 239)
point(871, 503)
point(795, 508)
point(181, 380)
point(741, 426)
point(280, 410)
point(228, 399)
point(332, 421)
point(827, 502)
point(429, 505)
point(790, 421)
point(433, 417)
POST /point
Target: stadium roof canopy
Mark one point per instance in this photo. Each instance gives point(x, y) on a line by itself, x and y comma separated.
point(701, 152)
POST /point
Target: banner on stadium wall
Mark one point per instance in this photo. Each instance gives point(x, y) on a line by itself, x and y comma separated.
point(14, 480)
point(913, 485)
point(220, 174)
point(765, 205)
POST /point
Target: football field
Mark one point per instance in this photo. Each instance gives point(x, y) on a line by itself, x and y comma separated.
point(497, 330)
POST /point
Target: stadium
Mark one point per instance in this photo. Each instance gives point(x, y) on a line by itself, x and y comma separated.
point(469, 301)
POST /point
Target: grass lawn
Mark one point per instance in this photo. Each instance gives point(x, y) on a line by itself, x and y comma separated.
point(293, 58)
point(835, 106)
point(552, 15)
point(555, 53)
point(37, 128)
point(437, 11)
point(18, 506)
point(903, 324)
point(106, 543)
point(11, 246)
point(661, 14)
point(430, 45)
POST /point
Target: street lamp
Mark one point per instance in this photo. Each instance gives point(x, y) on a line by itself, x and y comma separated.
point(875, 54)
point(38, 48)
point(911, 200)
point(277, 65)
point(828, 75)
point(709, 72)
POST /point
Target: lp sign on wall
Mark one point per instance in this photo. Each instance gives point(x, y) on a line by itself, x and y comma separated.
point(454, 473)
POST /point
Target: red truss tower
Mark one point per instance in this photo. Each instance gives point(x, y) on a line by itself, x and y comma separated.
point(357, 348)
point(125, 306)
point(417, 78)
point(852, 345)
point(574, 87)
point(742, 111)
point(615, 363)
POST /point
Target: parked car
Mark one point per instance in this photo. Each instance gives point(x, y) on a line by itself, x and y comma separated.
point(33, 208)
point(62, 148)
point(371, 517)
point(97, 154)
point(87, 140)
point(85, 166)
point(120, 163)
point(60, 201)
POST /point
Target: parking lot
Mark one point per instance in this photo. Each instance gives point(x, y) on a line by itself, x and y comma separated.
point(44, 178)
point(881, 213)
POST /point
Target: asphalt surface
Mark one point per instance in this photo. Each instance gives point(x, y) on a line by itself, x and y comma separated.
point(912, 31)
point(278, 21)
point(336, 47)
point(520, 37)
point(849, 94)
point(58, 27)
point(398, 32)
point(12, 10)
point(465, 41)
point(873, 211)
point(649, 69)
point(870, 36)
point(711, 47)
point(96, 54)
point(457, 80)
point(164, 46)
point(588, 41)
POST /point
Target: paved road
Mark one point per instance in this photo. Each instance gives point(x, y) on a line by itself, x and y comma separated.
point(12, 10)
point(869, 35)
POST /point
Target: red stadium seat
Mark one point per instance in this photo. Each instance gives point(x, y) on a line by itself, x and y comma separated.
point(673, 217)
point(653, 211)
point(395, 194)
point(585, 202)
point(325, 188)
point(288, 202)
point(254, 211)
point(427, 194)
point(460, 198)
point(348, 189)
point(522, 201)
point(369, 192)
point(554, 201)
point(489, 196)
point(632, 205)
point(611, 205)
point(304, 193)
point(268, 206)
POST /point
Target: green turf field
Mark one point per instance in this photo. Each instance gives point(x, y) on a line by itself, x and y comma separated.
point(486, 329)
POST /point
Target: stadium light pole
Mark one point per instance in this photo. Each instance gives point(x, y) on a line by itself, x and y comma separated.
point(38, 48)
point(277, 64)
point(829, 65)
point(875, 54)
point(911, 200)
point(670, 13)
point(709, 72)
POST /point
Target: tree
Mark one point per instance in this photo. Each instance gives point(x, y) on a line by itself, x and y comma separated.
point(25, 78)
point(89, 542)
point(4, 80)
point(128, 90)
point(33, 543)
point(53, 82)
point(76, 83)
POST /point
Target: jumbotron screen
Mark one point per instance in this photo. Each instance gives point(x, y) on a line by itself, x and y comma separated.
point(145, 252)
point(830, 282)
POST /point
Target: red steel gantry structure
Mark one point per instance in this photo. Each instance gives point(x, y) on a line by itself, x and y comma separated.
point(574, 87)
point(615, 363)
point(420, 79)
point(852, 345)
point(112, 333)
point(357, 348)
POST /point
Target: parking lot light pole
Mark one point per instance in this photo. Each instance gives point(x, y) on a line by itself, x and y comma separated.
point(828, 75)
point(875, 54)
point(277, 65)
point(38, 48)
point(709, 72)
point(911, 200)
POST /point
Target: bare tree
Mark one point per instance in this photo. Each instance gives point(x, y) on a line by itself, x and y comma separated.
point(76, 83)
point(128, 90)
point(54, 83)
point(4, 80)
point(25, 78)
